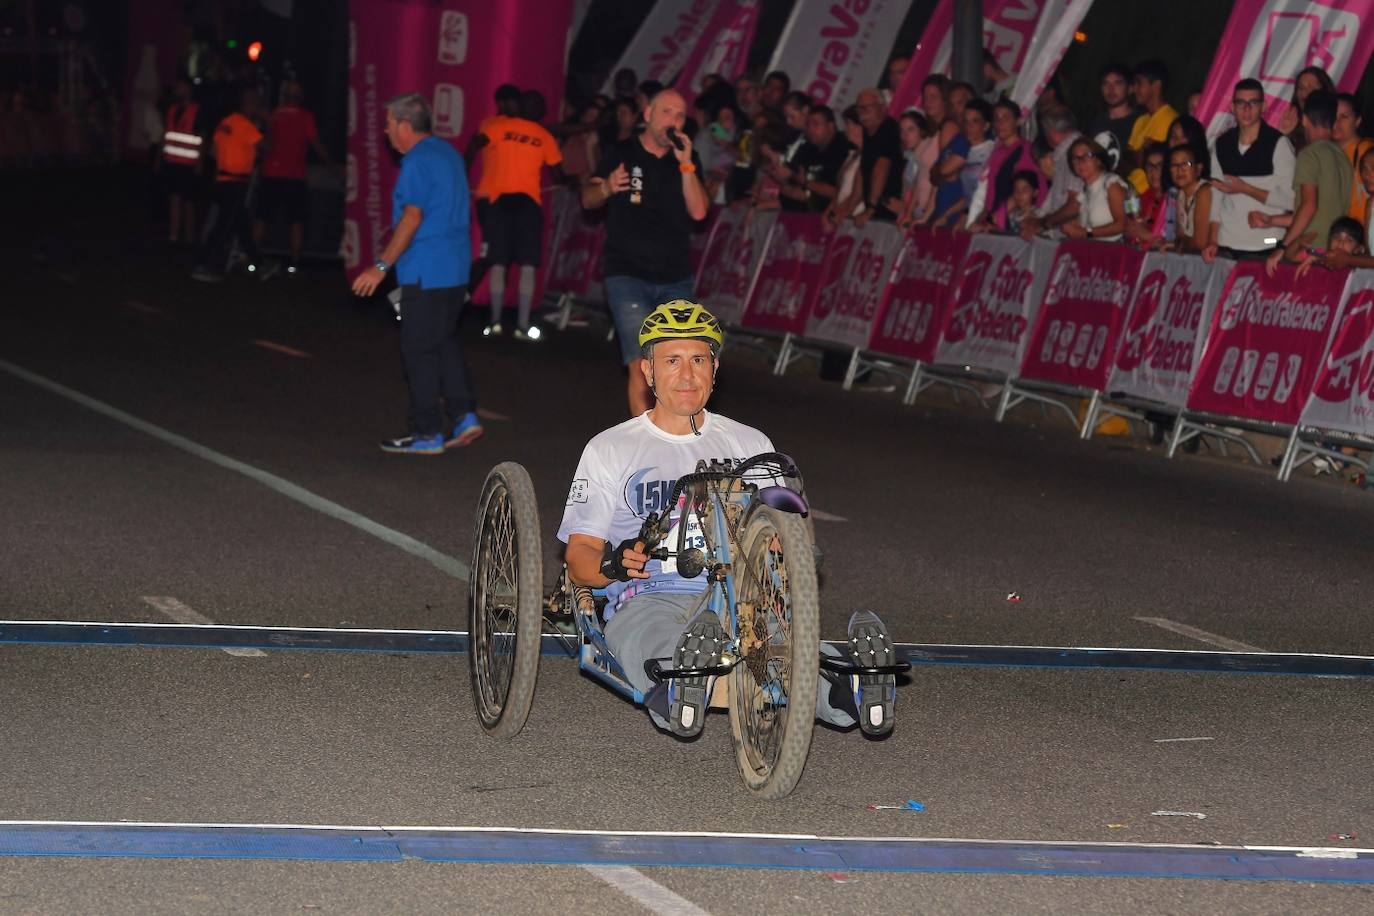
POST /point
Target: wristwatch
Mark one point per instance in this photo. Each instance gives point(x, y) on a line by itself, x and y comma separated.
point(382, 266)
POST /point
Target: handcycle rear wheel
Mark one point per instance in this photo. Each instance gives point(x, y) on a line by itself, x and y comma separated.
point(773, 688)
point(504, 601)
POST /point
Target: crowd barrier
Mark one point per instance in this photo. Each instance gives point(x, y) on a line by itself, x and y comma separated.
point(1220, 348)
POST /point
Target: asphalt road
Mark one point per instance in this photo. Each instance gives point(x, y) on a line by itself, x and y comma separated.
point(944, 513)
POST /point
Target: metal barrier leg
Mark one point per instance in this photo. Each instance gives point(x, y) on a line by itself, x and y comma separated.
point(913, 385)
point(1004, 401)
point(564, 307)
point(784, 355)
point(1090, 417)
point(1289, 454)
point(852, 372)
point(1176, 437)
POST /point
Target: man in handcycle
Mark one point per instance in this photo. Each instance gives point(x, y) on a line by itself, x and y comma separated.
point(651, 611)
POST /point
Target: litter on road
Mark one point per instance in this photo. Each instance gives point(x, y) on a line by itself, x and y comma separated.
point(1200, 816)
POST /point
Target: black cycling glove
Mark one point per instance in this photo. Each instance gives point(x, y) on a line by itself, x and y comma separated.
point(613, 562)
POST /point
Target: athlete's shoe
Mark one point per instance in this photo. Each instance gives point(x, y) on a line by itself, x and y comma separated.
point(465, 432)
point(492, 330)
point(875, 695)
point(699, 646)
point(414, 445)
point(530, 333)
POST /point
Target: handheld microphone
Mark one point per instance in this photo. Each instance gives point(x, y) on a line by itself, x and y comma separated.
point(674, 139)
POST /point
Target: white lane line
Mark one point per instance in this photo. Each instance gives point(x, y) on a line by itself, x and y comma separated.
point(1172, 740)
point(491, 415)
point(820, 516)
point(281, 348)
point(183, 614)
point(442, 561)
point(1212, 639)
point(645, 891)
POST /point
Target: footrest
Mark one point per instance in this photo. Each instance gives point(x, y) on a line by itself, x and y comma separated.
point(841, 666)
point(657, 673)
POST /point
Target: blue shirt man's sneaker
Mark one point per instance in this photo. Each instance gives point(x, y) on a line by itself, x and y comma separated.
point(414, 445)
point(466, 431)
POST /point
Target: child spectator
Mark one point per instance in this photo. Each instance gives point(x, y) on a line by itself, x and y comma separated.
point(1025, 190)
point(915, 130)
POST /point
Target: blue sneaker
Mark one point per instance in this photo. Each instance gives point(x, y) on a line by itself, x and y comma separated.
point(875, 695)
point(414, 445)
point(465, 432)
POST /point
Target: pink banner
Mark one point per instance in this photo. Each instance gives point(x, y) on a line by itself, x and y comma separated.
point(1266, 342)
point(1008, 27)
point(1170, 310)
point(574, 263)
point(731, 261)
point(918, 304)
point(999, 290)
point(789, 276)
point(455, 53)
point(854, 283)
point(1080, 318)
point(1272, 40)
point(1343, 396)
point(724, 49)
point(700, 237)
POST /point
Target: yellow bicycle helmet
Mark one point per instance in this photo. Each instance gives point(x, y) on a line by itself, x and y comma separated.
point(681, 320)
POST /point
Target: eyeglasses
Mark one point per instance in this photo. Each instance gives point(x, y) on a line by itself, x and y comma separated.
point(1247, 103)
point(1182, 165)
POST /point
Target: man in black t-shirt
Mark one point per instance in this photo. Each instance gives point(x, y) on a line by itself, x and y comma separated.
point(816, 167)
point(880, 166)
point(1118, 114)
point(651, 188)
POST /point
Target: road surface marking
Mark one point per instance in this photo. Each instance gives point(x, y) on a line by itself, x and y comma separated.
point(645, 891)
point(281, 348)
point(441, 561)
point(1171, 740)
point(820, 516)
point(491, 415)
point(1212, 639)
point(183, 614)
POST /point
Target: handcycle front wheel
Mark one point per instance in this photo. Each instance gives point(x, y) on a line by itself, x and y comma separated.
point(504, 601)
point(773, 688)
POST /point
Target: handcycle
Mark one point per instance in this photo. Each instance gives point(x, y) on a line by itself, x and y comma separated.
point(757, 553)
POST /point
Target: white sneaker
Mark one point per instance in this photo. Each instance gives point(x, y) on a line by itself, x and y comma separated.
point(530, 333)
point(492, 330)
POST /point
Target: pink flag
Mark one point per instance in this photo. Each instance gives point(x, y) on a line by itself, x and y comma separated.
point(1008, 27)
point(1272, 40)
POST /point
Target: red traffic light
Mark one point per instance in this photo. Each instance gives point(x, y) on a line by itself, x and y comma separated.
point(255, 50)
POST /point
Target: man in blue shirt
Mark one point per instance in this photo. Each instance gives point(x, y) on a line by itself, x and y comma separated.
point(431, 252)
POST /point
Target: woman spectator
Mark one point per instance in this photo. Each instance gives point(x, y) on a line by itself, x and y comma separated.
point(961, 164)
point(1102, 201)
point(915, 130)
point(1309, 80)
point(1010, 155)
point(1188, 168)
point(624, 119)
point(1186, 130)
point(935, 106)
point(718, 149)
point(849, 191)
point(1141, 229)
point(581, 147)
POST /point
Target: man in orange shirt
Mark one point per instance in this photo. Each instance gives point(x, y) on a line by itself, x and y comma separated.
point(507, 99)
point(235, 146)
point(515, 153)
point(291, 134)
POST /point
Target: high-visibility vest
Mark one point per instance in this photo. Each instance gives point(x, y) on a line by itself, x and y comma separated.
point(180, 144)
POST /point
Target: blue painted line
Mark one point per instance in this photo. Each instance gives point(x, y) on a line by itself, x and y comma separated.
point(350, 844)
point(324, 639)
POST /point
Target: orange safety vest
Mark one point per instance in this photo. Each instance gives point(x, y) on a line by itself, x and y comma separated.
point(180, 144)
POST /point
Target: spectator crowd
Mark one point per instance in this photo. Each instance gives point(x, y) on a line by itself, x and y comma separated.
point(968, 159)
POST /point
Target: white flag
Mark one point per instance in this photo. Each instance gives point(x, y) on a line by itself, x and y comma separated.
point(1058, 23)
point(832, 51)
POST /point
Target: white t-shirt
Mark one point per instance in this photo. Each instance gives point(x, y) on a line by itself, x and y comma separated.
point(630, 470)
